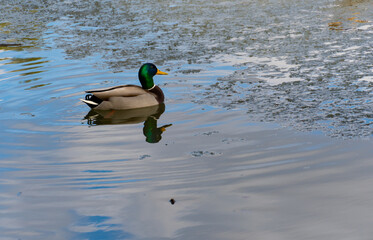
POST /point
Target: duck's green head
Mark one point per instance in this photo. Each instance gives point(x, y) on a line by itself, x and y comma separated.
point(146, 74)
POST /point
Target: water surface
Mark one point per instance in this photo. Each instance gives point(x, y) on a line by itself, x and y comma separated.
point(265, 133)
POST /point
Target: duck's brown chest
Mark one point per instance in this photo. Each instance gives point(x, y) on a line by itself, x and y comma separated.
point(157, 91)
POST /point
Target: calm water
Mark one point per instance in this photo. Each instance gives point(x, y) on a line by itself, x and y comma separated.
point(266, 131)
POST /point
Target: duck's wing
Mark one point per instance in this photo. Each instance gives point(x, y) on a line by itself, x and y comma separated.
point(120, 102)
point(118, 91)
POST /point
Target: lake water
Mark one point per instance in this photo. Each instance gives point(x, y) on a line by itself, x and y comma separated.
point(266, 131)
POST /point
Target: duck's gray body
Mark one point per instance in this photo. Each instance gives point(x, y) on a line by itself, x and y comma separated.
point(124, 97)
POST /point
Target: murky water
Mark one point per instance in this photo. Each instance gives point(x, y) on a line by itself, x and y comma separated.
point(265, 133)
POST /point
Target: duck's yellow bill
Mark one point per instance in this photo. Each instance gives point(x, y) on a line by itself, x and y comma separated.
point(161, 73)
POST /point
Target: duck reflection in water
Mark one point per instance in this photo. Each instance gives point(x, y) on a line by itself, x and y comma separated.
point(148, 115)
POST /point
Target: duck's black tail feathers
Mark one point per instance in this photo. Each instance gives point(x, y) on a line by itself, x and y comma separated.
point(91, 100)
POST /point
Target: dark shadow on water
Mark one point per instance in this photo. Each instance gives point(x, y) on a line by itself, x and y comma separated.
point(148, 115)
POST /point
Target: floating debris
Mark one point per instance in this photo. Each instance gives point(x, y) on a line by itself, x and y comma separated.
point(144, 156)
point(204, 153)
point(361, 21)
point(10, 45)
point(335, 24)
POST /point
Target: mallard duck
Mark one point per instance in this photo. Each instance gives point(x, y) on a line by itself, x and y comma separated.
point(128, 96)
